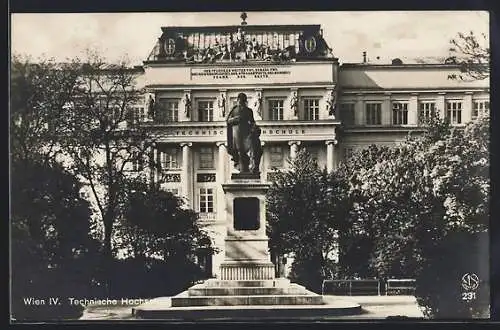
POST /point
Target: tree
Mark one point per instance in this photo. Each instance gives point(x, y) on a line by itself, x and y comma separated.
point(39, 95)
point(156, 224)
point(102, 148)
point(159, 232)
point(472, 54)
point(79, 112)
point(356, 239)
point(414, 202)
point(52, 252)
point(305, 208)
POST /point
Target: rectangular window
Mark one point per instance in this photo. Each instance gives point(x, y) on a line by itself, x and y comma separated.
point(481, 108)
point(427, 110)
point(172, 109)
point(311, 109)
point(454, 112)
point(276, 156)
point(399, 113)
point(168, 111)
point(347, 113)
point(206, 155)
point(169, 158)
point(276, 109)
point(205, 110)
point(373, 114)
point(206, 200)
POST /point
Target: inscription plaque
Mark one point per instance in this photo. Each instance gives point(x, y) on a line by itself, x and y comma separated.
point(246, 213)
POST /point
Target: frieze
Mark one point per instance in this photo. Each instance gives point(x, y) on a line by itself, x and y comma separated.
point(172, 177)
point(215, 132)
point(269, 132)
point(206, 177)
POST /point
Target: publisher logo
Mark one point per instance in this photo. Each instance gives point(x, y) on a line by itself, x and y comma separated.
point(470, 281)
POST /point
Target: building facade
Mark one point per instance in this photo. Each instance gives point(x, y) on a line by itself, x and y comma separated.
point(301, 98)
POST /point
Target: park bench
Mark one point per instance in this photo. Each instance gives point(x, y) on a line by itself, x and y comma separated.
point(400, 287)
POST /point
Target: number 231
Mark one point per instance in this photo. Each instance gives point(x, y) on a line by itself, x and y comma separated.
point(468, 296)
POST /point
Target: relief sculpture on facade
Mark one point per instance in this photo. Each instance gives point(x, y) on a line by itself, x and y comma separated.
point(244, 43)
point(294, 104)
point(258, 105)
point(331, 103)
point(187, 105)
point(221, 103)
point(151, 107)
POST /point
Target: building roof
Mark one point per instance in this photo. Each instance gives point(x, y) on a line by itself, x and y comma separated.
point(210, 44)
point(253, 28)
point(366, 76)
point(400, 66)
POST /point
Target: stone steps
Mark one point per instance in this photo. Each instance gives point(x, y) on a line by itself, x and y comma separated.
point(246, 291)
point(288, 313)
point(247, 283)
point(183, 300)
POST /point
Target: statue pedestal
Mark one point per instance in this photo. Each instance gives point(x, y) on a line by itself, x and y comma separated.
point(247, 288)
point(246, 245)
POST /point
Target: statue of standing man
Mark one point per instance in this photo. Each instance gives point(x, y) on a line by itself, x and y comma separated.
point(221, 103)
point(187, 106)
point(151, 107)
point(332, 103)
point(258, 105)
point(243, 137)
point(294, 104)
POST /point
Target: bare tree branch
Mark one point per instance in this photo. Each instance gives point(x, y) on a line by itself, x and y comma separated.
point(472, 55)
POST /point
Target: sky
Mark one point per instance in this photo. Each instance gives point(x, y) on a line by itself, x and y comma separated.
point(386, 35)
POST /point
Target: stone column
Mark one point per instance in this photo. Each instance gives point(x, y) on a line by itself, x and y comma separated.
point(221, 179)
point(221, 166)
point(413, 110)
point(294, 147)
point(186, 173)
point(467, 108)
point(441, 105)
point(262, 168)
point(330, 154)
point(359, 110)
point(386, 110)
